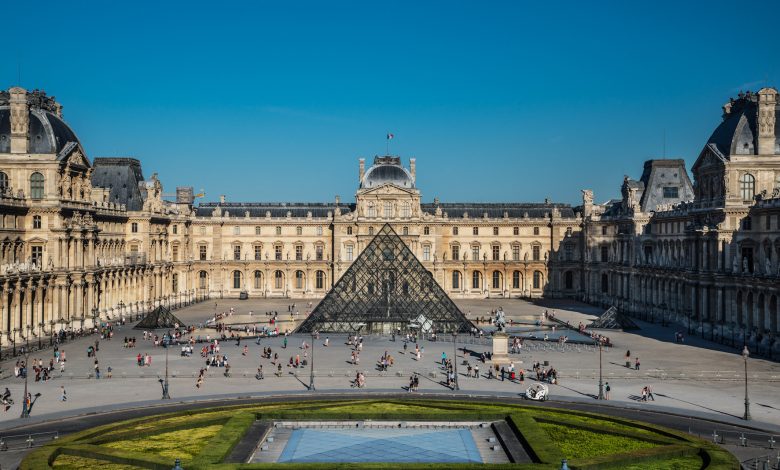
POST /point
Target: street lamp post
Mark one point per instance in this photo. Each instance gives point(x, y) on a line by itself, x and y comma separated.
point(40, 332)
point(165, 395)
point(601, 381)
point(745, 354)
point(311, 372)
point(455, 357)
point(25, 409)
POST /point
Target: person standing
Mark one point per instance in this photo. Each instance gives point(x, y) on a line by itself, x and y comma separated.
point(636, 364)
point(607, 389)
point(628, 359)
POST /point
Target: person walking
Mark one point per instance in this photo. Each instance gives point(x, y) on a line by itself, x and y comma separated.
point(650, 392)
point(636, 364)
point(607, 389)
point(63, 393)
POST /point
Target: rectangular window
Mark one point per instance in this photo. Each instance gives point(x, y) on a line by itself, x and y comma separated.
point(568, 231)
point(495, 230)
point(388, 210)
point(319, 231)
point(134, 227)
point(768, 222)
point(278, 252)
point(237, 252)
point(258, 252)
point(747, 224)
point(203, 230)
point(257, 230)
point(670, 192)
point(426, 230)
point(37, 255)
point(349, 230)
point(298, 253)
point(569, 252)
point(455, 252)
point(175, 252)
point(202, 249)
point(604, 254)
point(426, 253)
point(454, 230)
point(515, 231)
point(536, 251)
point(37, 221)
point(350, 253)
point(175, 229)
point(603, 229)
point(236, 230)
point(515, 252)
point(496, 252)
point(318, 252)
point(475, 253)
point(475, 230)
point(536, 230)
point(278, 230)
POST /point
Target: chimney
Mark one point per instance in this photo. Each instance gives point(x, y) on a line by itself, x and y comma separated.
point(362, 168)
point(20, 120)
point(767, 99)
point(413, 168)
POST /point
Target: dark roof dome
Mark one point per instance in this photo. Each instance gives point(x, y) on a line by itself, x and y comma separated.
point(46, 130)
point(738, 134)
point(387, 170)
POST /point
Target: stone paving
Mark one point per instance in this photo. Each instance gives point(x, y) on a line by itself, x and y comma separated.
point(696, 378)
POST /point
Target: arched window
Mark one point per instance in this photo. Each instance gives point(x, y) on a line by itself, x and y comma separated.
point(747, 187)
point(568, 280)
point(537, 280)
point(456, 279)
point(202, 279)
point(406, 210)
point(319, 280)
point(3, 182)
point(299, 279)
point(496, 280)
point(475, 278)
point(278, 279)
point(516, 280)
point(36, 186)
point(236, 279)
point(258, 280)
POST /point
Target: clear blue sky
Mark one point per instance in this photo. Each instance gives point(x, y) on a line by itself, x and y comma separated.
point(498, 101)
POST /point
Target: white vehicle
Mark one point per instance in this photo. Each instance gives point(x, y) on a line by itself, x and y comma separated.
point(537, 391)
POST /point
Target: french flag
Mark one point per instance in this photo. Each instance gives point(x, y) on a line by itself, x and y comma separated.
point(390, 136)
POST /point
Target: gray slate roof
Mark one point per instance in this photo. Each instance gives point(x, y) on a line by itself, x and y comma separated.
point(122, 176)
point(277, 209)
point(497, 209)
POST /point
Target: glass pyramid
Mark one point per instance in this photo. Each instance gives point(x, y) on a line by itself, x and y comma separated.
point(386, 288)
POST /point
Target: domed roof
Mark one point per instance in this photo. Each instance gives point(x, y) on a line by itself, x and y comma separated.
point(387, 170)
point(738, 133)
point(47, 132)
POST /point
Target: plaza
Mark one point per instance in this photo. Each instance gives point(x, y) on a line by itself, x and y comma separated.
point(694, 378)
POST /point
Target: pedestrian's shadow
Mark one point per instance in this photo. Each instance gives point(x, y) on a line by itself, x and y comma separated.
point(697, 404)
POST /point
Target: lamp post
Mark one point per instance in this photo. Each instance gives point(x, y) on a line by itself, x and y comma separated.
point(311, 372)
point(40, 332)
point(601, 381)
point(745, 354)
point(121, 312)
point(25, 409)
point(455, 357)
point(94, 317)
point(164, 383)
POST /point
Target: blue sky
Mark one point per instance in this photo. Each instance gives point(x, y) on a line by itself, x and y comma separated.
point(498, 101)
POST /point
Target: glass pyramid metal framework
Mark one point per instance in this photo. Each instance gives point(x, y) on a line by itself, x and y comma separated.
point(386, 288)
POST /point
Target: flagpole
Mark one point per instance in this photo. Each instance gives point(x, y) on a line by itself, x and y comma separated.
point(387, 144)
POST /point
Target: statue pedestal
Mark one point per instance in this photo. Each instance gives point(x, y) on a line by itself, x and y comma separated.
point(500, 349)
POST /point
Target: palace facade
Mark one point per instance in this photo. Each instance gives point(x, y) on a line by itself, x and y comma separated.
point(87, 240)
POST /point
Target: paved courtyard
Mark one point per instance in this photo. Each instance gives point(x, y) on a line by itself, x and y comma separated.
point(696, 378)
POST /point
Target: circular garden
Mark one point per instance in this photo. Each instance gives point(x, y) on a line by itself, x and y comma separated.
point(215, 438)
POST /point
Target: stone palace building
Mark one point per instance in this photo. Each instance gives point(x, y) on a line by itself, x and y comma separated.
point(88, 240)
